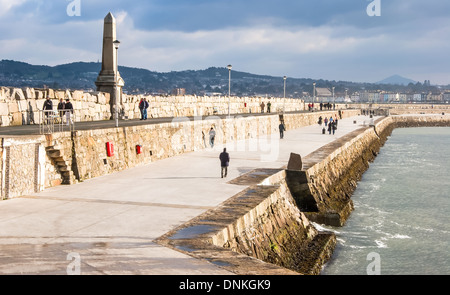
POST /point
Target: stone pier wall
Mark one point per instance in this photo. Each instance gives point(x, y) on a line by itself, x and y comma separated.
point(323, 188)
point(85, 153)
point(171, 139)
point(269, 221)
point(21, 106)
point(261, 222)
point(22, 166)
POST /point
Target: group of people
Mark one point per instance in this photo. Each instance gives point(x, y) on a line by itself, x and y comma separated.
point(65, 108)
point(143, 106)
point(263, 105)
point(330, 124)
point(327, 106)
point(322, 106)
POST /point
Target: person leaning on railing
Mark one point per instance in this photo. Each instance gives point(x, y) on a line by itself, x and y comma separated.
point(48, 107)
point(61, 106)
point(68, 108)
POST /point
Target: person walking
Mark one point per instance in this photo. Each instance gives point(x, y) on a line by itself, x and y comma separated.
point(212, 136)
point(268, 106)
point(262, 105)
point(224, 162)
point(282, 128)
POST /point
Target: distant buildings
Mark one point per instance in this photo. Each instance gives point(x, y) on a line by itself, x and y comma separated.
point(399, 97)
point(179, 91)
point(323, 95)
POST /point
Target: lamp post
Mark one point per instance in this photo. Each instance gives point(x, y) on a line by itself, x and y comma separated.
point(334, 101)
point(284, 93)
point(117, 94)
point(314, 94)
point(229, 88)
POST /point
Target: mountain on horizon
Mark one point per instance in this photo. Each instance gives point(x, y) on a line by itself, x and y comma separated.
point(396, 80)
point(82, 76)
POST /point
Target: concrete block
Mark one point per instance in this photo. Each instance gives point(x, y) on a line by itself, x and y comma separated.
point(77, 95)
point(16, 119)
point(4, 110)
point(18, 94)
point(295, 162)
point(40, 104)
point(5, 121)
point(50, 93)
point(38, 94)
point(60, 94)
point(29, 93)
point(13, 107)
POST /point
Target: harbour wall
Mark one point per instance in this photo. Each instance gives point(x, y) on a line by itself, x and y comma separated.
point(21, 106)
point(270, 220)
point(69, 157)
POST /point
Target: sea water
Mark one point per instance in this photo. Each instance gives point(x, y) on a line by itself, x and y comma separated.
point(400, 224)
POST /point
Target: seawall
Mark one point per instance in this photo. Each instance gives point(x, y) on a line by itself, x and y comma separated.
point(323, 188)
point(21, 106)
point(271, 219)
point(264, 229)
point(66, 158)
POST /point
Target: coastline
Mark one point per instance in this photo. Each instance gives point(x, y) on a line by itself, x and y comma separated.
point(319, 180)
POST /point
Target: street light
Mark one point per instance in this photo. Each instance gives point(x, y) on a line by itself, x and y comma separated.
point(314, 94)
point(229, 88)
point(117, 94)
point(284, 95)
point(334, 101)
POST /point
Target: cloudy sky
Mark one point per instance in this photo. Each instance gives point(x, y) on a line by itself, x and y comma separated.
point(319, 39)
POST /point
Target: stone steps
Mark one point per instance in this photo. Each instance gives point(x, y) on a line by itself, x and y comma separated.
point(63, 166)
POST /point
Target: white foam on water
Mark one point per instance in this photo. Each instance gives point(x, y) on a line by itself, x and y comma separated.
point(323, 228)
point(380, 244)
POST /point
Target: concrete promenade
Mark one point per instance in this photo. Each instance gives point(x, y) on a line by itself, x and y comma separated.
point(108, 225)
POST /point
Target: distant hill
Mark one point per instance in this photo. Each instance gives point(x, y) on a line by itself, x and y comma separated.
point(82, 76)
point(396, 80)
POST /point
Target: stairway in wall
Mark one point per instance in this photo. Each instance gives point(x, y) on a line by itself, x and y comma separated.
point(63, 166)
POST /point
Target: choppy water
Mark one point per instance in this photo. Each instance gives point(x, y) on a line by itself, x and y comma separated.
point(401, 210)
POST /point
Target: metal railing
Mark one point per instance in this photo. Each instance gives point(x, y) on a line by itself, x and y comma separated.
point(52, 121)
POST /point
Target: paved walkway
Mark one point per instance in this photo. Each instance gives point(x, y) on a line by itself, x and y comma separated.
point(108, 225)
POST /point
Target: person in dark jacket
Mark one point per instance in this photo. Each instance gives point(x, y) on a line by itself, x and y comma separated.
point(47, 107)
point(282, 128)
point(68, 108)
point(61, 106)
point(224, 162)
point(143, 106)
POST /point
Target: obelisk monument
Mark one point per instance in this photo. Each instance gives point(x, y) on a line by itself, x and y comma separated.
point(109, 79)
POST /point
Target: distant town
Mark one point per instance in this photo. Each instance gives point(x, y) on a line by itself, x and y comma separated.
point(214, 82)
